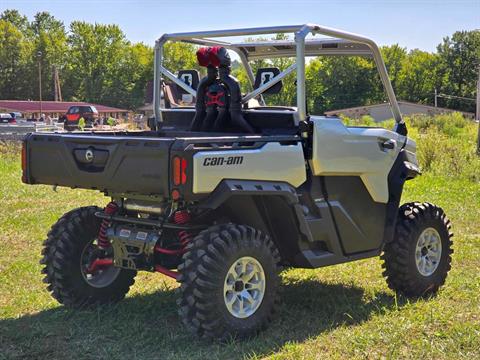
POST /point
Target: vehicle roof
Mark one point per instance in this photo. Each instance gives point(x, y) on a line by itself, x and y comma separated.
point(313, 47)
point(333, 46)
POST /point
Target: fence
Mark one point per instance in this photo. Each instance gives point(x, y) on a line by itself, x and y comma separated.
point(18, 131)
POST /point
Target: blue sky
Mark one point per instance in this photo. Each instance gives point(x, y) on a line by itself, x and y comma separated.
point(413, 24)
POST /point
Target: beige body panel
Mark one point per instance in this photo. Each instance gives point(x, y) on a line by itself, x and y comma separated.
point(271, 162)
point(345, 151)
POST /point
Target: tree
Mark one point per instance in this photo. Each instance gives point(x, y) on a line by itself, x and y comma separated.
point(49, 41)
point(418, 76)
point(178, 56)
point(97, 53)
point(16, 19)
point(13, 53)
point(394, 57)
point(346, 82)
point(459, 58)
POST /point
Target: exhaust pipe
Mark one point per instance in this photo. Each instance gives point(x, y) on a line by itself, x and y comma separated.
point(143, 206)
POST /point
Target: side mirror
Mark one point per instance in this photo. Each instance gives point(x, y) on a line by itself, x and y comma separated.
point(264, 75)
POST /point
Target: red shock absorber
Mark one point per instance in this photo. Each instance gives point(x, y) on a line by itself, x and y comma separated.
point(182, 217)
point(103, 242)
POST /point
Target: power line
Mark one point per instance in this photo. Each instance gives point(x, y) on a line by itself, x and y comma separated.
point(454, 97)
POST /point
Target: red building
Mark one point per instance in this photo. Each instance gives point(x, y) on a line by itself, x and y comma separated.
point(55, 109)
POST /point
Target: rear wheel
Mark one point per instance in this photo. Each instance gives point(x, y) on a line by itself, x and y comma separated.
point(68, 253)
point(418, 259)
point(229, 282)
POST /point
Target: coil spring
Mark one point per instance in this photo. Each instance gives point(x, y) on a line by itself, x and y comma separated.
point(103, 242)
point(182, 217)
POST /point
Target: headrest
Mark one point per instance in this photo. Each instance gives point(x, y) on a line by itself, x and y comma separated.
point(189, 77)
point(264, 75)
point(213, 56)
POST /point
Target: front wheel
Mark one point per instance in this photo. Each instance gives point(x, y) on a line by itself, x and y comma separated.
point(229, 282)
point(418, 259)
point(68, 253)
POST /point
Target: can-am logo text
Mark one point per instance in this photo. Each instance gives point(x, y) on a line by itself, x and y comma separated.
point(219, 161)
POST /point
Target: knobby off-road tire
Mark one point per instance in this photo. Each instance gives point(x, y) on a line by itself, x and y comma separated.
point(62, 253)
point(208, 277)
point(418, 259)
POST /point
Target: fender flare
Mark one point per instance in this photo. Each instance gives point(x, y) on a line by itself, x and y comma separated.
point(229, 188)
point(404, 168)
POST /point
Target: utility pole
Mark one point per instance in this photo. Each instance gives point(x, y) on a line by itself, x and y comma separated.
point(39, 56)
point(436, 104)
point(56, 84)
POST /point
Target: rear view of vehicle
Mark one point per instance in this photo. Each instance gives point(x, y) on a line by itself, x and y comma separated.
point(80, 116)
point(7, 119)
point(222, 196)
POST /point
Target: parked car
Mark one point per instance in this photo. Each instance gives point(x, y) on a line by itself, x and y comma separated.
point(16, 115)
point(7, 119)
point(88, 112)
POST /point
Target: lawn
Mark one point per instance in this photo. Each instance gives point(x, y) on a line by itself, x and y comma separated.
point(343, 311)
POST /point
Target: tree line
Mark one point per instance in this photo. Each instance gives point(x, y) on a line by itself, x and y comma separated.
point(97, 63)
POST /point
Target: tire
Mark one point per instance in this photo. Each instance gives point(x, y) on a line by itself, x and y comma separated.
point(203, 297)
point(62, 256)
point(419, 271)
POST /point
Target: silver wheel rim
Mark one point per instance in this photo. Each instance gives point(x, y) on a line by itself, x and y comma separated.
point(102, 277)
point(428, 251)
point(244, 287)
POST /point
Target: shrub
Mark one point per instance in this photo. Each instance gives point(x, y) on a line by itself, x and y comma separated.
point(429, 147)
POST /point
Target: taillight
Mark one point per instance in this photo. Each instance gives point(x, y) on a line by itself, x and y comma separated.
point(24, 162)
point(73, 117)
point(179, 171)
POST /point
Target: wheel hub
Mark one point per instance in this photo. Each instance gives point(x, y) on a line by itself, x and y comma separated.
point(103, 275)
point(239, 286)
point(428, 251)
point(244, 287)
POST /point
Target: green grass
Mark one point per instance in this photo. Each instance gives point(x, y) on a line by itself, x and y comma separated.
point(339, 312)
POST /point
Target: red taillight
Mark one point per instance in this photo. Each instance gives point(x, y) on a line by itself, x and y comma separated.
point(73, 117)
point(179, 171)
point(24, 162)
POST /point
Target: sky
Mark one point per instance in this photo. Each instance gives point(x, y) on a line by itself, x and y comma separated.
point(418, 24)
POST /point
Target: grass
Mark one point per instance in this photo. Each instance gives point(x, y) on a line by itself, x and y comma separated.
point(339, 312)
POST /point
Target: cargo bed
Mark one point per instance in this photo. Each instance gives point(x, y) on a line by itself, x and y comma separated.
point(135, 163)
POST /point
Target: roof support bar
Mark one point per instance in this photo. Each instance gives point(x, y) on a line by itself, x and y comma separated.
point(177, 81)
point(206, 42)
point(157, 80)
point(249, 71)
point(300, 31)
point(233, 32)
point(300, 60)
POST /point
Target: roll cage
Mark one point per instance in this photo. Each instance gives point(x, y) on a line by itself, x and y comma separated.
point(341, 43)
